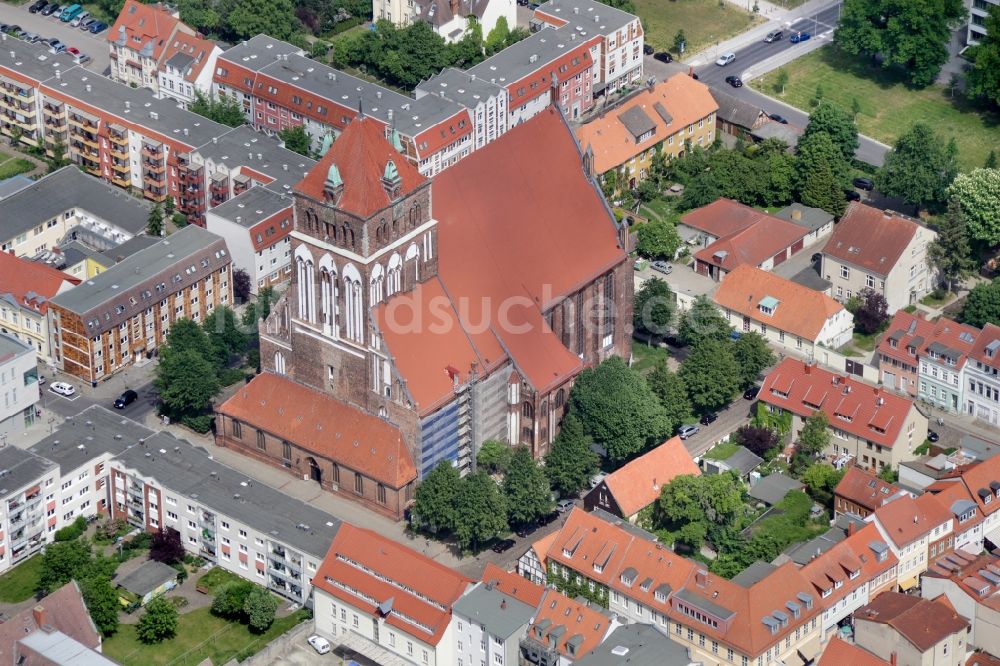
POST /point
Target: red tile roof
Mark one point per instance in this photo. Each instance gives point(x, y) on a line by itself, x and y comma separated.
point(144, 24)
point(852, 555)
point(923, 622)
point(319, 423)
point(415, 593)
point(30, 283)
point(870, 238)
point(905, 519)
point(963, 569)
point(982, 659)
point(513, 585)
point(637, 484)
point(801, 311)
point(983, 483)
point(838, 653)
point(868, 412)
point(864, 489)
point(907, 331)
point(979, 351)
point(723, 217)
point(583, 625)
point(943, 336)
point(443, 134)
point(752, 246)
point(194, 46)
point(63, 610)
point(361, 154)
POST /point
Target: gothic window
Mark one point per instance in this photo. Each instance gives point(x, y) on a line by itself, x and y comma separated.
point(527, 410)
point(545, 408)
point(305, 284)
point(352, 304)
point(394, 274)
point(279, 363)
point(348, 239)
point(286, 452)
point(560, 398)
point(413, 254)
point(376, 284)
point(328, 293)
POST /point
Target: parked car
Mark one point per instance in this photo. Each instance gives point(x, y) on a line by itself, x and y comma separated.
point(663, 56)
point(12, 29)
point(564, 505)
point(851, 195)
point(126, 399)
point(87, 22)
point(709, 418)
point(56, 46)
point(80, 18)
point(31, 37)
point(662, 267)
point(734, 81)
point(503, 546)
point(73, 51)
point(725, 59)
point(864, 184)
point(38, 6)
point(98, 27)
point(647, 49)
point(774, 36)
point(55, 9)
point(800, 37)
point(932, 436)
point(686, 431)
point(62, 388)
point(526, 530)
point(318, 643)
point(751, 392)
point(778, 119)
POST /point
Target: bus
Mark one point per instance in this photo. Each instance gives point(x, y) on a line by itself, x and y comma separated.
point(70, 13)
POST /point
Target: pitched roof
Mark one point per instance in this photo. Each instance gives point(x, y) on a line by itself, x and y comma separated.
point(869, 412)
point(410, 591)
point(637, 645)
point(498, 613)
point(870, 238)
point(361, 154)
point(31, 284)
point(664, 109)
point(723, 217)
point(637, 484)
point(971, 574)
point(851, 564)
point(800, 311)
point(322, 424)
point(983, 483)
point(188, 53)
point(149, 576)
point(64, 610)
point(513, 585)
point(838, 652)
point(737, 111)
point(905, 519)
point(754, 245)
point(773, 488)
point(143, 28)
point(569, 622)
point(923, 622)
point(864, 488)
point(984, 349)
point(906, 331)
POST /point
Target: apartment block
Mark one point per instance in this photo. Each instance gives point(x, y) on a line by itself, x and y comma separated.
point(18, 385)
point(26, 287)
point(27, 504)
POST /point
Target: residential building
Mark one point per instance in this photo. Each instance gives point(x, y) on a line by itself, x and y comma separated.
point(921, 473)
point(789, 316)
point(636, 485)
point(839, 652)
point(386, 601)
point(968, 520)
point(56, 631)
point(906, 629)
point(486, 101)
point(982, 484)
point(942, 355)
point(879, 250)
point(816, 220)
point(256, 226)
point(489, 622)
point(915, 530)
point(897, 353)
point(533, 564)
point(860, 492)
point(315, 436)
point(26, 287)
point(637, 645)
point(186, 68)
point(743, 461)
point(867, 424)
point(448, 18)
point(108, 322)
point(978, 11)
point(967, 581)
point(564, 629)
point(979, 377)
point(27, 522)
point(621, 48)
point(665, 118)
point(23, 69)
point(19, 386)
point(773, 488)
point(736, 116)
point(731, 234)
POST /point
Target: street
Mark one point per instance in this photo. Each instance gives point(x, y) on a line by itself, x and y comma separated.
point(59, 407)
point(96, 46)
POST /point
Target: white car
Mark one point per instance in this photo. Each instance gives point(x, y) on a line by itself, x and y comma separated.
point(725, 59)
point(320, 644)
point(62, 388)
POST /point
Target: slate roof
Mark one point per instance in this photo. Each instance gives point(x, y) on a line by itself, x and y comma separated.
point(743, 460)
point(149, 576)
point(736, 111)
point(772, 488)
point(636, 645)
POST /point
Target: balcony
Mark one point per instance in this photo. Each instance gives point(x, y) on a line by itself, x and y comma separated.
point(89, 124)
point(120, 181)
point(279, 551)
point(153, 151)
point(53, 106)
point(8, 102)
point(154, 193)
point(55, 123)
point(23, 93)
point(120, 166)
point(154, 166)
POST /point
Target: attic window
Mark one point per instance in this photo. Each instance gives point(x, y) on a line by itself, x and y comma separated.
point(768, 305)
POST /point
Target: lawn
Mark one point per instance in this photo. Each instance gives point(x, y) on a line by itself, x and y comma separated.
point(938, 298)
point(19, 583)
point(704, 22)
point(888, 108)
point(657, 209)
point(646, 357)
point(722, 451)
point(216, 578)
point(11, 167)
point(200, 636)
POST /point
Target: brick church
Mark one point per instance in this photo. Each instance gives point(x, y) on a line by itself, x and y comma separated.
point(425, 317)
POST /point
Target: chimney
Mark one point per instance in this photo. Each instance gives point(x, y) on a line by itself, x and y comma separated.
point(503, 604)
point(796, 214)
point(38, 612)
point(852, 527)
point(808, 368)
point(701, 578)
point(892, 659)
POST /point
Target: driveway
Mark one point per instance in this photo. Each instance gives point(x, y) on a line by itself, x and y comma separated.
point(96, 46)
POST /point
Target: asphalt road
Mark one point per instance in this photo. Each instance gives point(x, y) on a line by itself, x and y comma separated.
point(62, 407)
point(96, 46)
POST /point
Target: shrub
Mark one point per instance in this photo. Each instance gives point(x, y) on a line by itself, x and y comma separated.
point(72, 531)
point(201, 424)
point(230, 599)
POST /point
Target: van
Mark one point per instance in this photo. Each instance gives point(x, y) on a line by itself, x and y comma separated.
point(70, 13)
point(80, 18)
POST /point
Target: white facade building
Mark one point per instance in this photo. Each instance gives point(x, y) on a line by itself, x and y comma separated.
point(26, 504)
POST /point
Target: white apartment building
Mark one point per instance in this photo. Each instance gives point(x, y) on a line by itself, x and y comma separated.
point(911, 527)
point(27, 518)
point(979, 377)
point(978, 11)
point(485, 100)
point(18, 385)
point(488, 625)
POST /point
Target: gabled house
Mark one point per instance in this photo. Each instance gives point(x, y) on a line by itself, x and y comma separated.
point(971, 585)
point(980, 377)
point(860, 492)
point(56, 631)
point(913, 528)
point(564, 629)
point(737, 117)
point(26, 288)
point(906, 629)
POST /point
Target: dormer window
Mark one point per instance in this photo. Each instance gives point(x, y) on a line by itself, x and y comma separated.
point(855, 574)
point(911, 350)
point(768, 305)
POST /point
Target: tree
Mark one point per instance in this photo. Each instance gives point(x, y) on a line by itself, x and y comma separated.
point(241, 285)
point(781, 79)
point(158, 623)
point(225, 110)
point(435, 500)
point(692, 508)
point(703, 320)
point(260, 308)
point(483, 513)
point(226, 337)
point(526, 489)
point(154, 223)
point(757, 439)
point(496, 40)
point(653, 307)
point(711, 374)
point(248, 18)
point(230, 599)
point(58, 159)
point(912, 36)
point(815, 435)
point(950, 252)
point(494, 456)
point(259, 608)
point(672, 393)
point(680, 41)
point(166, 546)
point(187, 381)
point(991, 160)
point(872, 313)
point(919, 168)
point(978, 193)
point(61, 562)
point(295, 139)
point(822, 173)
point(888, 474)
point(837, 123)
point(752, 355)
point(618, 409)
point(101, 598)
point(982, 306)
point(983, 79)
point(658, 239)
point(570, 462)
point(821, 479)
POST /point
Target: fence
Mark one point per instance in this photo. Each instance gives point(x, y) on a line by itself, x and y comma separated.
point(280, 647)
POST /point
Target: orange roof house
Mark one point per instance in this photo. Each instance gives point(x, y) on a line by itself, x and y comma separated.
point(838, 653)
point(907, 627)
point(30, 284)
point(569, 627)
point(860, 492)
point(633, 487)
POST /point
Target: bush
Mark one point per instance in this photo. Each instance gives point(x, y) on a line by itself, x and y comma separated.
point(230, 598)
point(140, 541)
point(72, 531)
point(201, 424)
point(259, 608)
point(158, 623)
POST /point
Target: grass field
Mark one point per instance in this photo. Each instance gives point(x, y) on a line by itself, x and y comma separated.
point(200, 636)
point(722, 451)
point(704, 22)
point(19, 583)
point(888, 107)
point(647, 357)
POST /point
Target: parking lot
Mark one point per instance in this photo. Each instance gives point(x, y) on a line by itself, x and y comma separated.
point(96, 46)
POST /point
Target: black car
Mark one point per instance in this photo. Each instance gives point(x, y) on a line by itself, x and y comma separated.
point(774, 36)
point(932, 436)
point(526, 530)
point(734, 81)
point(663, 56)
point(49, 10)
point(864, 184)
point(647, 49)
point(751, 392)
point(12, 29)
point(851, 195)
point(711, 417)
point(778, 119)
point(38, 6)
point(126, 399)
point(503, 546)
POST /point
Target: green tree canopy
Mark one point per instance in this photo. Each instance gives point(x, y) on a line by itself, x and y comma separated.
point(570, 462)
point(494, 456)
point(653, 307)
point(296, 139)
point(249, 18)
point(158, 622)
point(693, 508)
point(702, 320)
point(711, 374)
point(978, 194)
point(154, 223)
point(658, 239)
point(187, 382)
point(482, 513)
point(951, 252)
point(618, 409)
point(526, 489)
point(436, 497)
point(982, 306)
point(815, 435)
point(983, 80)
point(835, 122)
point(101, 599)
point(230, 598)
point(226, 336)
point(822, 173)
point(671, 391)
point(61, 562)
point(821, 479)
point(225, 110)
point(919, 168)
point(752, 355)
point(259, 608)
